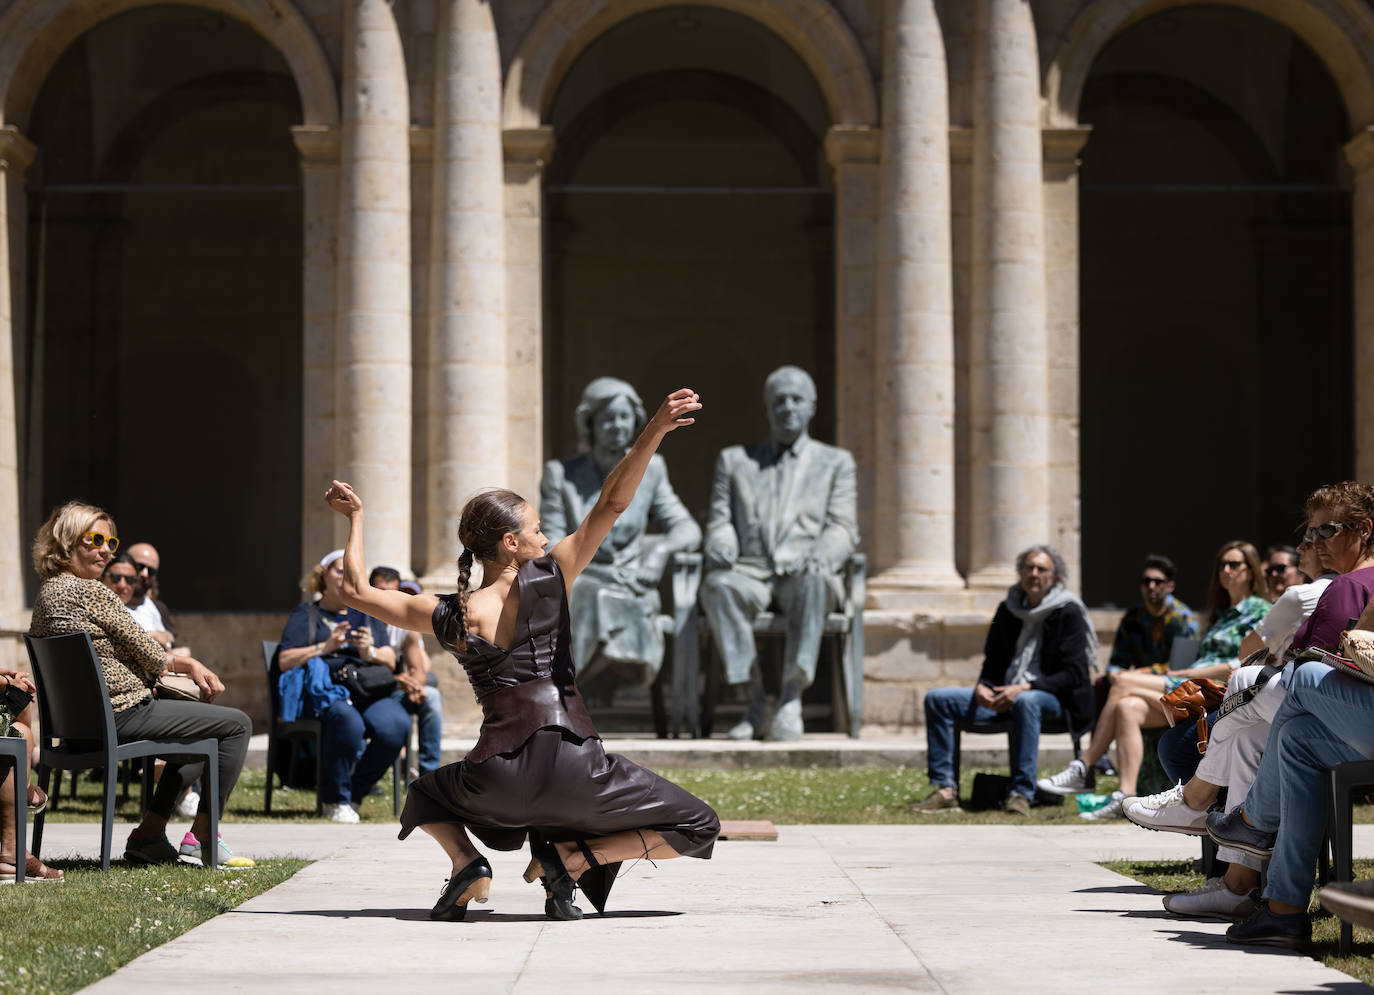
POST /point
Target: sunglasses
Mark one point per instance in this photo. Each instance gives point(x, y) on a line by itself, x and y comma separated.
point(1231, 565)
point(143, 568)
point(97, 539)
point(1153, 581)
point(123, 578)
point(1275, 571)
point(1326, 531)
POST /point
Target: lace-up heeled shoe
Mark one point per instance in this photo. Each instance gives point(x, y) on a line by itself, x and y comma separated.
point(471, 884)
point(548, 867)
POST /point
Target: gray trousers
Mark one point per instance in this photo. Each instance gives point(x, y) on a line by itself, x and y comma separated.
point(730, 599)
point(186, 722)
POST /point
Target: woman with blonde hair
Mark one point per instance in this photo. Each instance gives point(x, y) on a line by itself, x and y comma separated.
point(70, 554)
point(538, 768)
point(1236, 602)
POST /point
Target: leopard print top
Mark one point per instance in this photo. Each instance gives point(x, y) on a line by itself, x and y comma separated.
point(130, 658)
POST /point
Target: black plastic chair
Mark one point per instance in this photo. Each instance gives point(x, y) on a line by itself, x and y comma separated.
point(16, 750)
point(78, 733)
point(1006, 725)
point(1345, 780)
point(281, 733)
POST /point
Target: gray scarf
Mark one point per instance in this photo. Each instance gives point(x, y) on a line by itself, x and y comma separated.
point(1025, 663)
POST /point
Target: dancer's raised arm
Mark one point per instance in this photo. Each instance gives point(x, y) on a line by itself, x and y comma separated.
point(409, 611)
point(576, 550)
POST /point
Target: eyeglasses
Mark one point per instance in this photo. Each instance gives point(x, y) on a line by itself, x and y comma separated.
point(122, 578)
point(1231, 565)
point(143, 568)
point(1326, 531)
point(97, 539)
point(1153, 581)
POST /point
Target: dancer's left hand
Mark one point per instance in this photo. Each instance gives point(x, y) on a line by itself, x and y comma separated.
point(342, 499)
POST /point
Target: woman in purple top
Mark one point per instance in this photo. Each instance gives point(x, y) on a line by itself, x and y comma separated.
point(538, 768)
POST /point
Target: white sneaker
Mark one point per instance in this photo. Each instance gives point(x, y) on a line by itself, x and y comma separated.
point(1213, 901)
point(189, 805)
point(1072, 780)
point(1167, 812)
point(1111, 810)
point(341, 813)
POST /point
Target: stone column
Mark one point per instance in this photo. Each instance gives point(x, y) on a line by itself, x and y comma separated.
point(1009, 479)
point(16, 152)
point(913, 538)
point(1061, 147)
point(467, 342)
point(372, 358)
point(853, 155)
point(318, 146)
point(1359, 152)
point(527, 153)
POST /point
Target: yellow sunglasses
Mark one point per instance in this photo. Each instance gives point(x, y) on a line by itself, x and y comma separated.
point(96, 539)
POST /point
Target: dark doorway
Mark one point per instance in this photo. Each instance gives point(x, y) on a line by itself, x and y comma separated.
point(1216, 294)
point(163, 353)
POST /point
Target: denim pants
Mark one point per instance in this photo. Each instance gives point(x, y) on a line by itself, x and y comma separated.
point(357, 747)
point(431, 715)
point(1327, 719)
point(1177, 749)
point(945, 705)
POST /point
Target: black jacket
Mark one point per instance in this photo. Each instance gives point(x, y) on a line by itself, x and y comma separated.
point(1064, 664)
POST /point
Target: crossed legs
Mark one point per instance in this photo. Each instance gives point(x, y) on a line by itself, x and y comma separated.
point(1132, 705)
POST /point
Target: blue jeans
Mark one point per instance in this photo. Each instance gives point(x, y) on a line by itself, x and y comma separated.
point(357, 747)
point(944, 705)
point(1177, 750)
point(1327, 719)
point(431, 715)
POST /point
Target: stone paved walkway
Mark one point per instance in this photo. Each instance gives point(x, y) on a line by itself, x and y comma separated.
point(826, 908)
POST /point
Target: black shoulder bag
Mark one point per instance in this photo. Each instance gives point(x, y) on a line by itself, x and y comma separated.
point(365, 682)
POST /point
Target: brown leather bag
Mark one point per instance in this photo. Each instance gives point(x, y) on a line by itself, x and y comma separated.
point(1193, 699)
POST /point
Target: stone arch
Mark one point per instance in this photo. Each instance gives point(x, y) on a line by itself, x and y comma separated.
point(813, 28)
point(35, 33)
point(1341, 32)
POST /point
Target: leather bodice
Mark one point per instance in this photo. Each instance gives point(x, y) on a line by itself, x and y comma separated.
point(530, 685)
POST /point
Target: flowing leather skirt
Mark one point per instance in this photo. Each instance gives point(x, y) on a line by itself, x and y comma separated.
point(565, 788)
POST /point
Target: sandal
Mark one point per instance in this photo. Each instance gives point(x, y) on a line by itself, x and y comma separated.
point(39, 805)
point(35, 870)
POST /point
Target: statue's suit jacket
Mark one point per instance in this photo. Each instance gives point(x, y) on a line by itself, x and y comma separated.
point(818, 516)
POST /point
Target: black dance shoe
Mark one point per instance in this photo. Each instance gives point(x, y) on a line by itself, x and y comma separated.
point(471, 884)
point(556, 880)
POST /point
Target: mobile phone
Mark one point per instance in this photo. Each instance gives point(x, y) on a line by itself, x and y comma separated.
point(15, 699)
point(355, 620)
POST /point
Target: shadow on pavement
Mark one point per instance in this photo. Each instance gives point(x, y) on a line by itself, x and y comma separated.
point(1119, 889)
point(422, 915)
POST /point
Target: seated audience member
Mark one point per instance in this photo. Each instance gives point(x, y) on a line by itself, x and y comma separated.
point(357, 745)
point(121, 578)
point(151, 613)
point(71, 552)
point(1036, 666)
point(415, 683)
point(1235, 604)
point(20, 726)
point(1282, 570)
point(1344, 566)
point(1147, 631)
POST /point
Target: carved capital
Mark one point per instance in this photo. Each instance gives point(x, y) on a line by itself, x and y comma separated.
point(960, 144)
point(16, 151)
point(1359, 152)
point(318, 144)
point(1060, 147)
point(528, 146)
point(846, 144)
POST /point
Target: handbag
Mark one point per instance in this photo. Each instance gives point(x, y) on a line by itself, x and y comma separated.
point(1194, 699)
point(366, 682)
point(177, 687)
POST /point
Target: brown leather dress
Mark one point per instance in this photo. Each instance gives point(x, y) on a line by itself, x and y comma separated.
point(538, 764)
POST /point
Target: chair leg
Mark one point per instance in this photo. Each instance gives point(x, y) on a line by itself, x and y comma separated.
point(41, 817)
point(109, 790)
point(656, 697)
point(21, 816)
point(1339, 825)
point(57, 790)
point(396, 782)
point(319, 802)
point(147, 786)
point(956, 753)
point(271, 766)
point(210, 847)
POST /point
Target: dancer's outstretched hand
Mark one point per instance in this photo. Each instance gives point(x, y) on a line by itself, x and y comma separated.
point(675, 411)
point(342, 499)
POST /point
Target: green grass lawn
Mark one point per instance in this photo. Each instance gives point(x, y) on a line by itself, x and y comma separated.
point(75, 932)
point(1176, 876)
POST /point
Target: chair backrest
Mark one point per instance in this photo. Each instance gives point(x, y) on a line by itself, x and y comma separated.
point(269, 654)
point(73, 702)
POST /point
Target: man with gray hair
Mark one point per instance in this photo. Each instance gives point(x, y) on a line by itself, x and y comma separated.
point(1037, 662)
point(784, 520)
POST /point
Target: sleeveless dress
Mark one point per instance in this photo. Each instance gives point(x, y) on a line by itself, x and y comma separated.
point(539, 764)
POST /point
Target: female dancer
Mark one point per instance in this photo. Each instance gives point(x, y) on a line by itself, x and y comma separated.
point(538, 767)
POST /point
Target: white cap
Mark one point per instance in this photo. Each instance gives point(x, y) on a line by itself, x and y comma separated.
point(330, 557)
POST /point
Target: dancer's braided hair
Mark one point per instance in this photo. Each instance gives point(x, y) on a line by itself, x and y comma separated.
point(485, 520)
